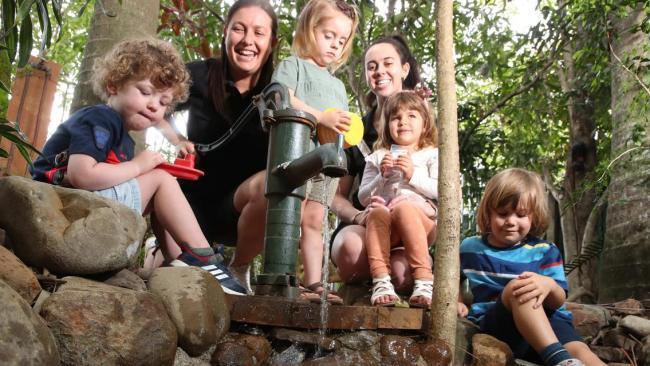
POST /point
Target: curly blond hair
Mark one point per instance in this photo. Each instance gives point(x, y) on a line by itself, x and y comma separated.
point(139, 59)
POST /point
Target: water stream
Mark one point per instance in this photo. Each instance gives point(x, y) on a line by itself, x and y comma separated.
point(322, 330)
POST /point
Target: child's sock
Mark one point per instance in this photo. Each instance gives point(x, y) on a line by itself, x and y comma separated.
point(554, 354)
point(196, 256)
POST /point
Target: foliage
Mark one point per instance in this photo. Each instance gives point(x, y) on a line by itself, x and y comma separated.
point(16, 43)
point(512, 110)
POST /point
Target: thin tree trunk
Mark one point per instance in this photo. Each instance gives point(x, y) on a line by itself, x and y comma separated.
point(112, 23)
point(625, 262)
point(447, 261)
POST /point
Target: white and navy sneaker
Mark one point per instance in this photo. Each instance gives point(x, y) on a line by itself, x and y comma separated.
point(205, 259)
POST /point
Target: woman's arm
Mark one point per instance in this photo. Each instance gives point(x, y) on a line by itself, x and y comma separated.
point(341, 206)
point(371, 180)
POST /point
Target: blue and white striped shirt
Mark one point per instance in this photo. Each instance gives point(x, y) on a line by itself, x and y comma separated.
point(489, 269)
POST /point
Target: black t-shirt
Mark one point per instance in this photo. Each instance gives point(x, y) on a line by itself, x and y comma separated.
point(96, 131)
point(244, 155)
point(355, 159)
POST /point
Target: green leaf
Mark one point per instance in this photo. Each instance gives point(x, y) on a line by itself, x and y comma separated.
point(23, 11)
point(3, 153)
point(56, 9)
point(9, 27)
point(44, 21)
point(26, 42)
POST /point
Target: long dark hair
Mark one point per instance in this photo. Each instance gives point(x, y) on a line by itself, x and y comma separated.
point(405, 57)
point(219, 70)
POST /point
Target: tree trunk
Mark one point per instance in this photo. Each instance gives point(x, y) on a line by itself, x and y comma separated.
point(447, 261)
point(112, 23)
point(625, 264)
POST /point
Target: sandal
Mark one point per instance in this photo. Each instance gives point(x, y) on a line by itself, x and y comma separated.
point(421, 288)
point(313, 292)
point(383, 287)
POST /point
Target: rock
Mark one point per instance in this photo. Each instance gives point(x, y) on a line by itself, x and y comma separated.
point(636, 325)
point(259, 346)
point(126, 279)
point(359, 341)
point(345, 357)
point(68, 231)
point(231, 353)
point(18, 276)
point(183, 359)
point(196, 304)
point(629, 307)
point(99, 324)
point(397, 350)
point(289, 357)
point(294, 336)
point(588, 319)
point(24, 336)
point(609, 354)
point(436, 352)
point(465, 330)
point(489, 351)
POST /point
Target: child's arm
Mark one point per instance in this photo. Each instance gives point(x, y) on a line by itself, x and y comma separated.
point(425, 183)
point(463, 310)
point(335, 119)
point(547, 292)
point(85, 172)
point(183, 145)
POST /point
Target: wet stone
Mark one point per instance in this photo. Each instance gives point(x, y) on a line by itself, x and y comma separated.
point(345, 358)
point(295, 336)
point(397, 350)
point(259, 347)
point(359, 340)
point(436, 352)
point(230, 353)
point(293, 355)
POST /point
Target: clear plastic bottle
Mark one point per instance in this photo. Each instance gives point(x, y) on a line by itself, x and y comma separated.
point(395, 178)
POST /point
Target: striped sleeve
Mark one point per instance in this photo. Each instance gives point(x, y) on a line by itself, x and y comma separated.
point(552, 266)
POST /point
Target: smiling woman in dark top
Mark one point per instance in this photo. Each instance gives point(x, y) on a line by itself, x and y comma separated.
point(229, 200)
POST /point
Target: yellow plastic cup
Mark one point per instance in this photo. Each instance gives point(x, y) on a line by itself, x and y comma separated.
point(351, 138)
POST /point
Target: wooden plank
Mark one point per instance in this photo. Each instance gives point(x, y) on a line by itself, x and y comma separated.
point(282, 312)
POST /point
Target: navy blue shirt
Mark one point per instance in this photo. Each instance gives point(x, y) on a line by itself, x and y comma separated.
point(97, 131)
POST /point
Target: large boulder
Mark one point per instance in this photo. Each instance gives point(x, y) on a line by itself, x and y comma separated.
point(196, 304)
point(18, 276)
point(68, 231)
point(99, 324)
point(24, 337)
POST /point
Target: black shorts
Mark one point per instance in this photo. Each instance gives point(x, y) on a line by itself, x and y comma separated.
point(499, 322)
point(217, 217)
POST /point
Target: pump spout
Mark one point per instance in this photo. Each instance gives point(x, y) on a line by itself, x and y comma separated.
point(328, 159)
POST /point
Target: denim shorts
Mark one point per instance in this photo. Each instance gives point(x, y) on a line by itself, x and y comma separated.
point(499, 322)
point(127, 193)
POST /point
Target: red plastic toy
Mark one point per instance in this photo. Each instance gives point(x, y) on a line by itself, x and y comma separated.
point(183, 168)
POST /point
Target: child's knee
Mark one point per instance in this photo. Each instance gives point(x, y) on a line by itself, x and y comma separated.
point(507, 297)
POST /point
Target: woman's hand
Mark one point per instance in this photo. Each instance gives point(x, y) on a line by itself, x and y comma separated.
point(386, 165)
point(405, 164)
point(336, 119)
point(184, 147)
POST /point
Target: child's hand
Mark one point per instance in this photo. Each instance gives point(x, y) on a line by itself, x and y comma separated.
point(405, 164)
point(147, 160)
point(386, 165)
point(462, 310)
point(336, 119)
point(377, 202)
point(184, 147)
point(531, 285)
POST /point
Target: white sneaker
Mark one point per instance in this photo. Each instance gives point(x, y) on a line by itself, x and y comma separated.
point(243, 275)
point(571, 362)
